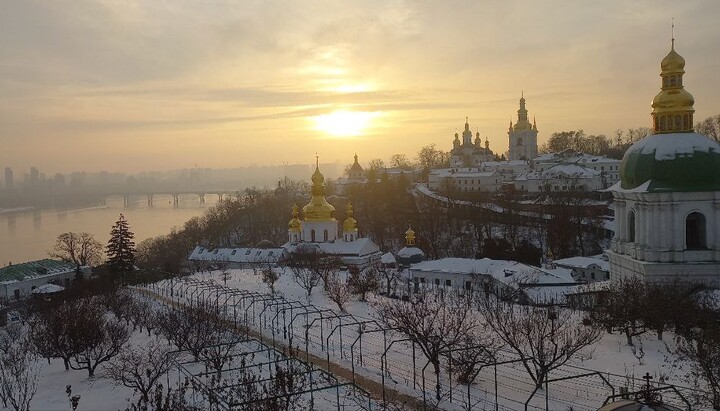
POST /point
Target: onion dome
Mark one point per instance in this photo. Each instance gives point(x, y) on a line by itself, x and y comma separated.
point(356, 169)
point(294, 225)
point(410, 254)
point(350, 224)
point(318, 209)
point(673, 106)
point(674, 158)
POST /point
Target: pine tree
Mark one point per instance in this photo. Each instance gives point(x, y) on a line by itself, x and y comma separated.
point(121, 248)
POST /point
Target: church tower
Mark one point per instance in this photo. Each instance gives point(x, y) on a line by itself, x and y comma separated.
point(319, 225)
point(667, 203)
point(350, 231)
point(522, 137)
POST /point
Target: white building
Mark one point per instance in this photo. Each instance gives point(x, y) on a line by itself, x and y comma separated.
point(586, 269)
point(522, 137)
point(467, 153)
point(667, 203)
point(238, 257)
point(560, 177)
point(319, 229)
point(500, 277)
point(19, 280)
point(608, 169)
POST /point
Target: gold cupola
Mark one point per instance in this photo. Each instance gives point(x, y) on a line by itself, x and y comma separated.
point(409, 237)
point(673, 106)
point(318, 209)
point(350, 224)
point(295, 225)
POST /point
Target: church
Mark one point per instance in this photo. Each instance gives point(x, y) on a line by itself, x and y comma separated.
point(522, 136)
point(467, 153)
point(318, 228)
point(667, 202)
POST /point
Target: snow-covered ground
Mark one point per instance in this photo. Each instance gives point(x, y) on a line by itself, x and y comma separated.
point(286, 322)
point(316, 327)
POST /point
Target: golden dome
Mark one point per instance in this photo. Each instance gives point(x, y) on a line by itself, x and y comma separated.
point(294, 224)
point(318, 209)
point(409, 236)
point(350, 224)
point(673, 62)
point(673, 106)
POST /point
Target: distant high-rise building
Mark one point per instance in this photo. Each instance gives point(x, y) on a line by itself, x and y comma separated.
point(34, 175)
point(9, 179)
point(522, 136)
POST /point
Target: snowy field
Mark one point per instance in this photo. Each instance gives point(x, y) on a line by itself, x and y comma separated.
point(356, 342)
point(384, 357)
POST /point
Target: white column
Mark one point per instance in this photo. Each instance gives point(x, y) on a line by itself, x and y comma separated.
point(620, 221)
point(678, 233)
point(640, 225)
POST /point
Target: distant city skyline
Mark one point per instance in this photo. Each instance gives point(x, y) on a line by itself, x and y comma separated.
point(138, 86)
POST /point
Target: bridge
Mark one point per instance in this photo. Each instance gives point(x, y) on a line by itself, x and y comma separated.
point(174, 194)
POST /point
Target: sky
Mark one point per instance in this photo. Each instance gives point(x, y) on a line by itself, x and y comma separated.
point(133, 85)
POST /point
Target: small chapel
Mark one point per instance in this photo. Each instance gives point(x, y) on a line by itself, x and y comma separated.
point(667, 202)
point(318, 228)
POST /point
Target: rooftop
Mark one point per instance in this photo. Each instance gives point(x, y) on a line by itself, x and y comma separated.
point(32, 269)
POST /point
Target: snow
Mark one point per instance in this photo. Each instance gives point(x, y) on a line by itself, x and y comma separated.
point(584, 262)
point(671, 145)
point(48, 289)
point(388, 258)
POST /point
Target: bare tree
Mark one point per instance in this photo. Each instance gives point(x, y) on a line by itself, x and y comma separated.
point(364, 281)
point(303, 262)
point(19, 372)
point(338, 291)
point(623, 308)
point(473, 352)
point(109, 336)
point(543, 338)
point(141, 367)
point(81, 249)
point(270, 276)
point(435, 324)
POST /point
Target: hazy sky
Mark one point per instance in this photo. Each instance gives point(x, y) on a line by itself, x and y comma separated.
point(129, 85)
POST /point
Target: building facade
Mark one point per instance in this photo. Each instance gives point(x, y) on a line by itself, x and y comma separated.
point(667, 203)
point(522, 136)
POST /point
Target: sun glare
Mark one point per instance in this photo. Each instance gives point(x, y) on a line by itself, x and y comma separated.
point(344, 123)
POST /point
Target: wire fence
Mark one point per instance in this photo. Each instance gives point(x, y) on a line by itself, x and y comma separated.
point(365, 350)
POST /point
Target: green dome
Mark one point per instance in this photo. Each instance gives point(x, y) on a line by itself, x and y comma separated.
point(672, 162)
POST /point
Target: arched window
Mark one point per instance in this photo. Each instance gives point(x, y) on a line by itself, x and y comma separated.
point(695, 233)
point(519, 142)
point(678, 122)
point(686, 122)
point(662, 123)
point(631, 227)
point(312, 236)
point(325, 235)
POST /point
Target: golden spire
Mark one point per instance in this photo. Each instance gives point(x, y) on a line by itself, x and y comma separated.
point(522, 123)
point(350, 224)
point(409, 237)
point(673, 106)
point(318, 209)
point(294, 225)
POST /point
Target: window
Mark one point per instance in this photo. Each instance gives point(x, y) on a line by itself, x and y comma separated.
point(437, 281)
point(312, 236)
point(17, 294)
point(519, 142)
point(448, 283)
point(422, 280)
point(247, 252)
point(215, 252)
point(695, 235)
point(201, 251)
point(270, 253)
point(325, 235)
point(592, 276)
point(631, 227)
point(233, 252)
point(468, 285)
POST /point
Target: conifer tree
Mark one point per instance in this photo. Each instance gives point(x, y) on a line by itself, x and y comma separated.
point(121, 247)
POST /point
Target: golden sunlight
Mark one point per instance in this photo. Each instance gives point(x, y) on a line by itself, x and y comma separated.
point(343, 123)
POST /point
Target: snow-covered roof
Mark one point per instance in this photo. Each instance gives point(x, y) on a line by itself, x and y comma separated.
point(237, 254)
point(388, 258)
point(47, 289)
point(671, 145)
point(360, 247)
point(561, 171)
point(462, 172)
point(584, 262)
point(407, 252)
point(508, 272)
point(34, 269)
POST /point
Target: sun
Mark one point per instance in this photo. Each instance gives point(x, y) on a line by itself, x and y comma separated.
point(344, 123)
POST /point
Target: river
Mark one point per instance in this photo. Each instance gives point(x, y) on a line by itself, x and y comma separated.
point(29, 234)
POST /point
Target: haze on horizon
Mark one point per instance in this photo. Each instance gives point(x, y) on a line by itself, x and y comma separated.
point(123, 85)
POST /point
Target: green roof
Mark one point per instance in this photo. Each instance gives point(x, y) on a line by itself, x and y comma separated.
point(19, 272)
point(672, 162)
